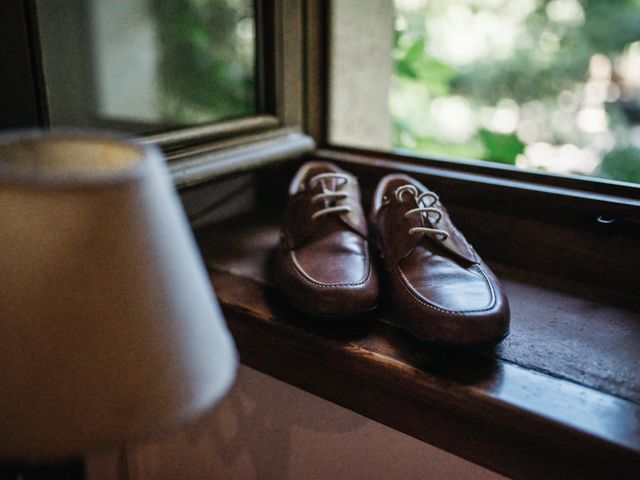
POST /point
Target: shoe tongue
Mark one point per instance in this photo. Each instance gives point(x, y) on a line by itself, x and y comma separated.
point(324, 184)
point(455, 242)
point(353, 219)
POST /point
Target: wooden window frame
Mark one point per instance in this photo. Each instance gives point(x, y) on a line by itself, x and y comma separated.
point(195, 154)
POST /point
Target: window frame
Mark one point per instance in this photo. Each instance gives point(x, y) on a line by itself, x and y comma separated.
point(293, 54)
point(195, 154)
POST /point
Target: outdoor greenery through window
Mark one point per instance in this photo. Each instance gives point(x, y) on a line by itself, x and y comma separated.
point(148, 65)
point(550, 85)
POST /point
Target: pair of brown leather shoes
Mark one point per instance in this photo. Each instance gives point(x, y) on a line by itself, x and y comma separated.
point(438, 285)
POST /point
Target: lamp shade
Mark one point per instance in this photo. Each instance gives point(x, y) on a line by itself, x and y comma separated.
point(109, 327)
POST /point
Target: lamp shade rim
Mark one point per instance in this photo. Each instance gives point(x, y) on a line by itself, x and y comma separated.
point(12, 173)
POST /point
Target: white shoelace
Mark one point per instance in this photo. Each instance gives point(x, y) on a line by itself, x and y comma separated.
point(435, 233)
point(329, 196)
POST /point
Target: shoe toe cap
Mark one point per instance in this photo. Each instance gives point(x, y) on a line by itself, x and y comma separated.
point(320, 295)
point(461, 311)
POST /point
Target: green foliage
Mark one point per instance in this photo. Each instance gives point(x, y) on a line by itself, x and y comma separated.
point(500, 147)
point(621, 164)
point(448, 149)
point(415, 64)
point(551, 56)
point(530, 74)
point(205, 74)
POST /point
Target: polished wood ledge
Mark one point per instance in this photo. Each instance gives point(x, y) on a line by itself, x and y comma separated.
point(559, 398)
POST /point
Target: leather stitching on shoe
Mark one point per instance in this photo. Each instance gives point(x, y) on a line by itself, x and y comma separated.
point(307, 278)
point(410, 289)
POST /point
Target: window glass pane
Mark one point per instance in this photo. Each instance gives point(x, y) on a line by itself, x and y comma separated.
point(543, 85)
point(148, 65)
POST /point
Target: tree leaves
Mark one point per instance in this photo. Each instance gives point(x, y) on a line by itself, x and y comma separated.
point(414, 64)
point(500, 147)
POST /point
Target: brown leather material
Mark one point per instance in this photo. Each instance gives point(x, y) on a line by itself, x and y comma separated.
point(323, 266)
point(300, 210)
point(455, 242)
point(440, 290)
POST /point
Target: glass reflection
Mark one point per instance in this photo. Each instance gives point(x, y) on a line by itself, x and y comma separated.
point(148, 65)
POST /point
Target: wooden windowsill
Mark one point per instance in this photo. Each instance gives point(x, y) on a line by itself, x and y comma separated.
point(559, 398)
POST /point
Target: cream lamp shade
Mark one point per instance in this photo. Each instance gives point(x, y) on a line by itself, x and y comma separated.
point(109, 328)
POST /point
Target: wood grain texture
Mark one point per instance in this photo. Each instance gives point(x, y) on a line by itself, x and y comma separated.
point(190, 136)
point(204, 163)
point(559, 398)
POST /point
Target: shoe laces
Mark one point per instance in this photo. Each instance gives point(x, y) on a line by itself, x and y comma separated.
point(330, 196)
point(424, 210)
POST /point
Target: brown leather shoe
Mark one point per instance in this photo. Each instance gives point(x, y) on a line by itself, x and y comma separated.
point(323, 265)
point(440, 288)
